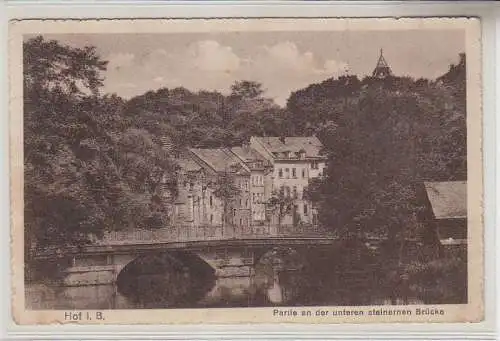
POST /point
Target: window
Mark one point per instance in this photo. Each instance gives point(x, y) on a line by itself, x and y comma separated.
point(253, 197)
point(314, 165)
point(287, 191)
point(246, 203)
point(294, 174)
point(211, 219)
point(211, 201)
point(287, 173)
point(303, 172)
point(280, 172)
point(234, 212)
point(240, 221)
point(240, 202)
point(305, 209)
point(295, 192)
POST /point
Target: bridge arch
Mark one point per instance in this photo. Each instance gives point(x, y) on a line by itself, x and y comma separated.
point(279, 271)
point(176, 277)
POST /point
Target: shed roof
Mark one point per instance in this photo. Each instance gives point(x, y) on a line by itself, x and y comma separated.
point(448, 199)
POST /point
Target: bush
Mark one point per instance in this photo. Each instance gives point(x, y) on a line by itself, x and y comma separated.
point(442, 281)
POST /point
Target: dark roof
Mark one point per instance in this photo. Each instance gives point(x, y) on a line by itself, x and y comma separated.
point(219, 159)
point(382, 69)
point(448, 199)
point(247, 154)
point(310, 145)
point(187, 164)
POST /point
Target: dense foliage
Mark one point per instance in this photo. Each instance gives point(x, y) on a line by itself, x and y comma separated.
point(383, 138)
point(87, 169)
point(95, 162)
point(208, 119)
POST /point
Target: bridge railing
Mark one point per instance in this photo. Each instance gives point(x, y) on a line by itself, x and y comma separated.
point(200, 233)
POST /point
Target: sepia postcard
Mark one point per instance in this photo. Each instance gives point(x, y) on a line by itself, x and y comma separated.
point(246, 171)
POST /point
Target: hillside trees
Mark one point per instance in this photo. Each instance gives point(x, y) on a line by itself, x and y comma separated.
point(384, 138)
point(82, 158)
point(208, 119)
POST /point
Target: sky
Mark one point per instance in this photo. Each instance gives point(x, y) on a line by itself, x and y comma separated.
point(282, 61)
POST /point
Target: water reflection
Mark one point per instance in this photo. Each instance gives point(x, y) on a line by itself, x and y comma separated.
point(166, 280)
point(281, 276)
point(175, 280)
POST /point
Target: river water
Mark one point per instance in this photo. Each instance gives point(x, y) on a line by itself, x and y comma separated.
point(280, 278)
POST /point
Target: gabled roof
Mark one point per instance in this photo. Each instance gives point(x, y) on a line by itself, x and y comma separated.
point(247, 154)
point(448, 199)
point(219, 159)
point(310, 144)
point(187, 164)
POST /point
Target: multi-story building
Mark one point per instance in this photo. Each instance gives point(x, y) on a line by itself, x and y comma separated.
point(195, 204)
point(264, 166)
point(225, 167)
point(295, 160)
point(260, 169)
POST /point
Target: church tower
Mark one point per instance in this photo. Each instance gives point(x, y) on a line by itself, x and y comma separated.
point(382, 70)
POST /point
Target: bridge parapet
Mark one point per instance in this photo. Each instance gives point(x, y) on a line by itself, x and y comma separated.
point(207, 233)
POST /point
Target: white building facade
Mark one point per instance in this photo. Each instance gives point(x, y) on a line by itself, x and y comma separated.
point(295, 160)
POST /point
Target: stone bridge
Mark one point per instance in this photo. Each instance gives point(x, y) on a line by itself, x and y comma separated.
point(231, 253)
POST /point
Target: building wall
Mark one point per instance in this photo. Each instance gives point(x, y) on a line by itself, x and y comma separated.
point(241, 205)
point(196, 205)
point(294, 177)
point(258, 199)
point(214, 208)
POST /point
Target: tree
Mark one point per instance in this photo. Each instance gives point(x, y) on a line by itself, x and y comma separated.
point(382, 139)
point(226, 190)
point(62, 137)
point(316, 105)
point(88, 168)
point(246, 90)
point(208, 119)
point(280, 204)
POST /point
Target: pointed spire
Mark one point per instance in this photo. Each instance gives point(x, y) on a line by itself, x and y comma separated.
point(382, 69)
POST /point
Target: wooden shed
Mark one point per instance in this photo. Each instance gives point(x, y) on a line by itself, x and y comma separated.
point(447, 203)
